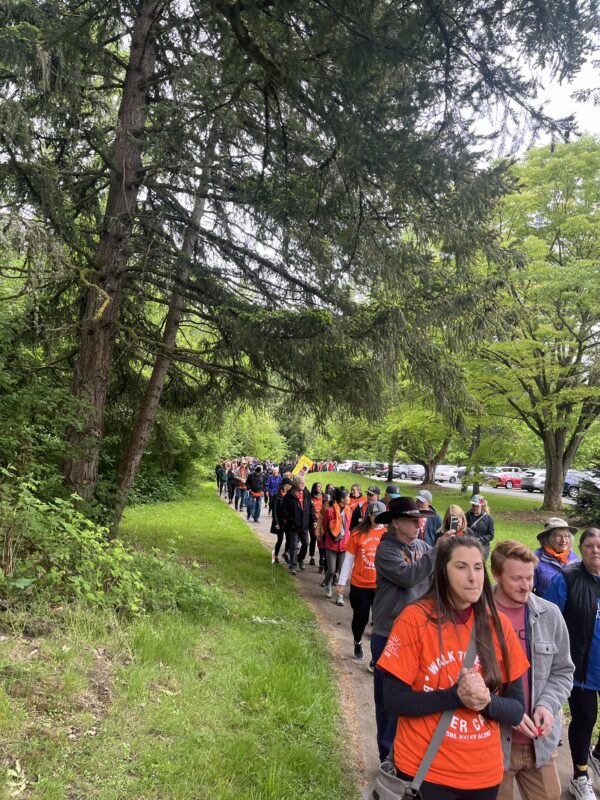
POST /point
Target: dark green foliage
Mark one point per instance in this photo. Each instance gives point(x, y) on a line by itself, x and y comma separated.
point(588, 499)
point(343, 206)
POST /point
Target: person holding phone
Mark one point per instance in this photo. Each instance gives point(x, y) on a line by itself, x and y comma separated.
point(454, 521)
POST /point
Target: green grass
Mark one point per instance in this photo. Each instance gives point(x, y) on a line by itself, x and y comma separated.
point(178, 706)
point(514, 517)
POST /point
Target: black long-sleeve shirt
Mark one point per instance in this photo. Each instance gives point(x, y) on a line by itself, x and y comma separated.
point(401, 700)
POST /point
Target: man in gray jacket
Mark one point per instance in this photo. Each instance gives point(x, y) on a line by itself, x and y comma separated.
point(403, 565)
point(530, 748)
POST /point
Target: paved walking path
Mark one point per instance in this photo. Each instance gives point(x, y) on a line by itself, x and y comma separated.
point(355, 680)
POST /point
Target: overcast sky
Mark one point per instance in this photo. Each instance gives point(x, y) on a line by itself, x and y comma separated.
point(560, 102)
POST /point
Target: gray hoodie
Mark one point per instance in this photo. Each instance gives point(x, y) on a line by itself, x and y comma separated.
point(403, 574)
point(551, 674)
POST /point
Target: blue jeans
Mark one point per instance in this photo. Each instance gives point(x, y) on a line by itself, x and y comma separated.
point(254, 506)
point(386, 724)
point(240, 498)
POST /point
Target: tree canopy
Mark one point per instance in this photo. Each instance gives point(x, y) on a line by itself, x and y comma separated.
point(544, 364)
point(234, 196)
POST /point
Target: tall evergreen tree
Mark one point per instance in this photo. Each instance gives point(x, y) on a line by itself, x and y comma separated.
point(345, 149)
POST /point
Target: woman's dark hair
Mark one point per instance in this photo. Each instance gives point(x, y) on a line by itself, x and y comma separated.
point(339, 494)
point(366, 522)
point(313, 489)
point(486, 617)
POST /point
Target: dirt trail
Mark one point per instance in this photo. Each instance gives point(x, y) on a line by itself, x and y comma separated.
point(355, 680)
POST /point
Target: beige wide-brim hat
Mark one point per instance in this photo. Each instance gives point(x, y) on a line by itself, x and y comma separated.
point(554, 523)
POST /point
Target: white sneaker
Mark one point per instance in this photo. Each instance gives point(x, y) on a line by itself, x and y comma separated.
point(594, 768)
point(581, 788)
point(328, 591)
point(339, 601)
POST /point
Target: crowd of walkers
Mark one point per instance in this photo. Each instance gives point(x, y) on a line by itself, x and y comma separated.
point(421, 579)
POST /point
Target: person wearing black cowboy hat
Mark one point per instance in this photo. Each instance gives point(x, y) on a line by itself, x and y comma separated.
point(404, 566)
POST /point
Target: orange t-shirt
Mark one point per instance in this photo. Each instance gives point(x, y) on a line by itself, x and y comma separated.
point(470, 756)
point(363, 547)
point(354, 501)
point(317, 504)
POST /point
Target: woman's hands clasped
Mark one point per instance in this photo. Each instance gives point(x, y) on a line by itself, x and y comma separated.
point(472, 691)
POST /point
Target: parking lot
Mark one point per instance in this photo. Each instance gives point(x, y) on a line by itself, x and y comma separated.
point(519, 493)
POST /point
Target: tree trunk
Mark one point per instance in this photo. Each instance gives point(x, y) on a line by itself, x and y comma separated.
point(99, 326)
point(431, 464)
point(131, 459)
point(555, 472)
point(475, 442)
point(390, 472)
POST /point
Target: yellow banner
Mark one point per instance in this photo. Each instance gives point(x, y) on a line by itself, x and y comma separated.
point(303, 465)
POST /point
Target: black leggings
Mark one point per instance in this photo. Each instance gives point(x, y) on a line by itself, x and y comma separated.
point(431, 791)
point(279, 533)
point(583, 704)
point(361, 601)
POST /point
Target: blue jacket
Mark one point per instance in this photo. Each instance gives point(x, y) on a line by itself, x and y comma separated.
point(431, 528)
point(273, 482)
point(547, 569)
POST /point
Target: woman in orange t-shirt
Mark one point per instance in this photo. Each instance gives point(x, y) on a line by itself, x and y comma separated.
point(356, 497)
point(336, 530)
point(317, 497)
point(423, 666)
point(360, 561)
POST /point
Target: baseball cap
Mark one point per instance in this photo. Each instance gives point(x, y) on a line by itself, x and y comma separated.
point(476, 500)
point(424, 496)
point(374, 490)
point(376, 507)
point(393, 490)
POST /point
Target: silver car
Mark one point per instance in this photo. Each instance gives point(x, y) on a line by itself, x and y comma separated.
point(416, 472)
point(534, 480)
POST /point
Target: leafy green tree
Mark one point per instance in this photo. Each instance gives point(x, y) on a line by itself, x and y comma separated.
point(109, 112)
point(421, 435)
point(544, 364)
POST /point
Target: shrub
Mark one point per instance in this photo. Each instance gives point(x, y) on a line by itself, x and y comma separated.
point(52, 548)
point(51, 551)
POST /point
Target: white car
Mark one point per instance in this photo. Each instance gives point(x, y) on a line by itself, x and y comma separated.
point(345, 466)
point(448, 472)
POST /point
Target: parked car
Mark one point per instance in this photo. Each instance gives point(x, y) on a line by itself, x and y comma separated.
point(534, 480)
point(401, 471)
point(359, 467)
point(487, 472)
point(574, 478)
point(507, 477)
point(345, 466)
point(448, 472)
point(416, 472)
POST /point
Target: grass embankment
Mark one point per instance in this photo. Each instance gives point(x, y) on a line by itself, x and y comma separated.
point(515, 517)
point(220, 704)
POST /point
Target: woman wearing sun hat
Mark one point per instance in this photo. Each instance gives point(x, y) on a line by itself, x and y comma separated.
point(481, 522)
point(554, 553)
